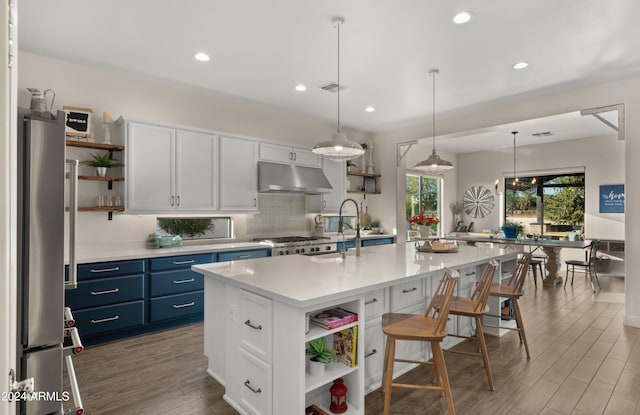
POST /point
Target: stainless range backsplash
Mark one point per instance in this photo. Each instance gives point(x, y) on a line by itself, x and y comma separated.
point(279, 214)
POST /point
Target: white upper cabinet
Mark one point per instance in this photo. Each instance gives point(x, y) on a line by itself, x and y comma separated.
point(238, 174)
point(287, 154)
point(336, 174)
point(170, 170)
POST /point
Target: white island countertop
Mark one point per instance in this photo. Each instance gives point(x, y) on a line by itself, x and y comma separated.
point(306, 281)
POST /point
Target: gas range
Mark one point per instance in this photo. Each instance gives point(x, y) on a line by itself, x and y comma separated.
point(305, 245)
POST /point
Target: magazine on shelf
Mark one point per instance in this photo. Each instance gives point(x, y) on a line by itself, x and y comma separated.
point(314, 410)
point(333, 317)
point(344, 343)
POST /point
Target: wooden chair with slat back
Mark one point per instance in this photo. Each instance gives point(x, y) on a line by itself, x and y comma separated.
point(476, 307)
point(430, 327)
point(513, 290)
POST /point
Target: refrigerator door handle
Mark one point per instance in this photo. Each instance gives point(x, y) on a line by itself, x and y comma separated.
point(78, 408)
point(73, 215)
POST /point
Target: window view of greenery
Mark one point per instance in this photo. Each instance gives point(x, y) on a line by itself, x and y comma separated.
point(423, 196)
point(551, 205)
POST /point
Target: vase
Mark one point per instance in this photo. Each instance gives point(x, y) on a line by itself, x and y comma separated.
point(511, 233)
point(316, 368)
point(101, 171)
point(425, 231)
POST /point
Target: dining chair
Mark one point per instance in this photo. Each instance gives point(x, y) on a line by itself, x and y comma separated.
point(537, 263)
point(476, 307)
point(430, 327)
point(588, 266)
point(513, 290)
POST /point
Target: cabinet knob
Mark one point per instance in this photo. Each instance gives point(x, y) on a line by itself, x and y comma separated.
point(172, 200)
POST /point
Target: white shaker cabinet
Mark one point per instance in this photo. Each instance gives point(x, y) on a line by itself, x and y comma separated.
point(336, 174)
point(170, 169)
point(288, 155)
point(238, 174)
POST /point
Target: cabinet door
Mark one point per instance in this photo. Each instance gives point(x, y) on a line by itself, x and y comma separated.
point(306, 157)
point(196, 171)
point(150, 168)
point(238, 174)
point(336, 173)
point(276, 153)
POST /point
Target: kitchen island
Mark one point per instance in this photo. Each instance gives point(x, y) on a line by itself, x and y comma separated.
point(255, 331)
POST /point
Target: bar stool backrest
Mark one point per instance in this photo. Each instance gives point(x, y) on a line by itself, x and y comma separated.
point(516, 282)
point(481, 292)
point(441, 299)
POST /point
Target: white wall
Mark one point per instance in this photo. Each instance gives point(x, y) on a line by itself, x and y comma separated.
point(119, 94)
point(559, 102)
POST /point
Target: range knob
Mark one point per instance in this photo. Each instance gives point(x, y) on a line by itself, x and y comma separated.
point(314, 249)
point(302, 251)
point(327, 248)
point(286, 252)
point(280, 253)
point(297, 251)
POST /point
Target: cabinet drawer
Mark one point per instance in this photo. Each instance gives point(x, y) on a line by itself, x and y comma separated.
point(182, 261)
point(109, 318)
point(340, 245)
point(238, 255)
point(374, 304)
point(105, 291)
point(255, 318)
point(379, 241)
point(407, 294)
point(468, 277)
point(110, 269)
point(373, 354)
point(176, 306)
point(174, 282)
point(255, 384)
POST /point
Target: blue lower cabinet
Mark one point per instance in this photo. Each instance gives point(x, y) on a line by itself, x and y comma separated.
point(350, 244)
point(182, 261)
point(110, 269)
point(239, 255)
point(99, 292)
point(98, 320)
point(174, 282)
point(378, 241)
point(176, 306)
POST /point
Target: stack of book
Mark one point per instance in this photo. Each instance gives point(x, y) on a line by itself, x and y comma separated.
point(333, 318)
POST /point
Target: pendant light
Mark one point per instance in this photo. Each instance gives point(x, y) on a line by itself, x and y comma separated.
point(339, 147)
point(515, 176)
point(434, 164)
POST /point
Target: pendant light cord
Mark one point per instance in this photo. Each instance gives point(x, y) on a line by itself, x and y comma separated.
point(338, 24)
point(433, 122)
point(515, 177)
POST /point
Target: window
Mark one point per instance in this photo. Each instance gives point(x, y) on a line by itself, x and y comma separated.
point(551, 205)
point(423, 195)
point(196, 228)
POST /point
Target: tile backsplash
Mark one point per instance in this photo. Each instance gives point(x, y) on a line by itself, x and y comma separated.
point(279, 214)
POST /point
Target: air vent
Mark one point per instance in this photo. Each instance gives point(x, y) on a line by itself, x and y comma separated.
point(332, 87)
point(543, 134)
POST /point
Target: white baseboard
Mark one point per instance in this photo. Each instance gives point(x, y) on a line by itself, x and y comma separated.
point(633, 321)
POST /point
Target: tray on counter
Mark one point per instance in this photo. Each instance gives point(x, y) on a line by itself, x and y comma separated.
point(427, 247)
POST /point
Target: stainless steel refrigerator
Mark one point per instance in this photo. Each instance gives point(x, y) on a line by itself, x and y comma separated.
point(41, 263)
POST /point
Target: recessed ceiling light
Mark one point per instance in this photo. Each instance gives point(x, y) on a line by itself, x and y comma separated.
point(520, 65)
point(462, 18)
point(369, 109)
point(301, 88)
point(202, 57)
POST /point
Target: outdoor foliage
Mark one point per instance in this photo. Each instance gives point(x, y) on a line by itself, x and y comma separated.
point(186, 227)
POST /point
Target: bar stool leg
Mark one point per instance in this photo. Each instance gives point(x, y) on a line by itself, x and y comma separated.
point(523, 337)
point(438, 360)
point(390, 352)
point(485, 353)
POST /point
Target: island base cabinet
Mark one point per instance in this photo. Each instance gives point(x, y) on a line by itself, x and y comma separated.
point(374, 344)
point(255, 392)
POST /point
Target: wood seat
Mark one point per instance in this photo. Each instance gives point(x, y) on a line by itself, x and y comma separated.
point(430, 327)
point(513, 290)
point(476, 307)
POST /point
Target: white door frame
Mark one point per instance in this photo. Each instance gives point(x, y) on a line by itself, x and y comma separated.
point(8, 219)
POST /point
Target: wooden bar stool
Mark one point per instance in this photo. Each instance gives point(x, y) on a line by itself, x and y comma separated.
point(476, 307)
point(430, 327)
point(513, 290)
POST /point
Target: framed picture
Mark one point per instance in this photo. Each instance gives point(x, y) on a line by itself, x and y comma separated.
point(77, 121)
point(369, 185)
point(611, 198)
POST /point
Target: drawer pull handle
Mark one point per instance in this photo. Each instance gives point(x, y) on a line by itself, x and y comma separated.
point(244, 256)
point(470, 273)
point(247, 383)
point(191, 304)
point(375, 300)
point(105, 320)
point(248, 323)
point(409, 291)
point(112, 291)
point(191, 261)
point(374, 351)
point(184, 281)
point(105, 269)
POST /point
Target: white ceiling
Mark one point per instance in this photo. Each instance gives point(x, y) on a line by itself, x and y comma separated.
point(261, 49)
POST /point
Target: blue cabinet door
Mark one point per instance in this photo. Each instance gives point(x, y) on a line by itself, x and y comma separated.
point(175, 306)
point(377, 241)
point(182, 261)
point(103, 291)
point(238, 255)
point(174, 282)
point(110, 269)
point(109, 318)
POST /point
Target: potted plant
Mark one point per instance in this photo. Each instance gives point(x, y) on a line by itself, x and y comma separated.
point(512, 229)
point(351, 166)
point(321, 355)
point(375, 226)
point(102, 162)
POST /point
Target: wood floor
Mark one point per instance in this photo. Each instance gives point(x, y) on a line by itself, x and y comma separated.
point(583, 361)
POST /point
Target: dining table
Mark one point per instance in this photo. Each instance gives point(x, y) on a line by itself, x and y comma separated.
point(551, 248)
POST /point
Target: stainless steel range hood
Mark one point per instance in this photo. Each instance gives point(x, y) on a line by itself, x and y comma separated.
point(287, 178)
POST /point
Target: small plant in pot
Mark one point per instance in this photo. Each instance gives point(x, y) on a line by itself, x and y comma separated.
point(512, 229)
point(102, 162)
point(321, 355)
point(375, 226)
